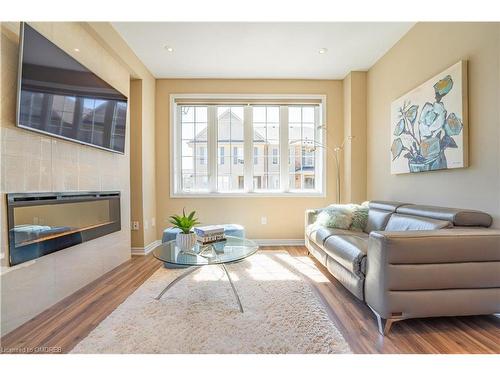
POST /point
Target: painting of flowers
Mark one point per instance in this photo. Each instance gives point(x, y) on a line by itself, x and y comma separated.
point(429, 124)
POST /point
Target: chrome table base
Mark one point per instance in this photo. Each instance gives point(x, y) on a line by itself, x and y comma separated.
point(232, 286)
point(190, 271)
point(179, 278)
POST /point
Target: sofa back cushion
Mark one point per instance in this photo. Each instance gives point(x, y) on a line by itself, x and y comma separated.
point(377, 219)
point(379, 214)
point(399, 222)
point(458, 216)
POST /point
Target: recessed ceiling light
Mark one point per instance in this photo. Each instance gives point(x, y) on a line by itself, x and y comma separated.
point(322, 51)
point(168, 48)
point(76, 49)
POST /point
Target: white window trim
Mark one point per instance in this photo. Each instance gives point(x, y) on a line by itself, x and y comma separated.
point(175, 162)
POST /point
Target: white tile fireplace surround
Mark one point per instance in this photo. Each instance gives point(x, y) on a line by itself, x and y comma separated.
point(31, 162)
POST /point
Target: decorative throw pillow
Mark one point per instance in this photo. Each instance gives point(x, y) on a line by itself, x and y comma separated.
point(335, 216)
point(344, 216)
point(359, 217)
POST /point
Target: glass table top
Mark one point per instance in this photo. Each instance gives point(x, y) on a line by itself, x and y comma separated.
point(232, 249)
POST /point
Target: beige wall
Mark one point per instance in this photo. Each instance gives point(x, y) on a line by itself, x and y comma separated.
point(142, 155)
point(285, 215)
point(424, 51)
point(34, 162)
point(142, 161)
point(149, 160)
point(136, 202)
point(354, 154)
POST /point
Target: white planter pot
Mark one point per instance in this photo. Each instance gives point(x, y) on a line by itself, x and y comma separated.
point(185, 241)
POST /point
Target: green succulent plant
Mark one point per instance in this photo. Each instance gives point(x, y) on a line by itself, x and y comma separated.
point(184, 223)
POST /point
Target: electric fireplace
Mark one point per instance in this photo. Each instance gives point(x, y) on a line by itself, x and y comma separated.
point(43, 223)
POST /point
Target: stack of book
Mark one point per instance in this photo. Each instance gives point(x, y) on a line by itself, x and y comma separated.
point(209, 234)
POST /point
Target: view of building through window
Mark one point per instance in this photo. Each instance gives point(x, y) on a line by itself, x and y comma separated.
point(266, 140)
point(301, 128)
point(230, 171)
point(194, 148)
point(229, 148)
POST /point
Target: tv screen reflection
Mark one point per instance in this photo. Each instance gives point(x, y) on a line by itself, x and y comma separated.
point(61, 97)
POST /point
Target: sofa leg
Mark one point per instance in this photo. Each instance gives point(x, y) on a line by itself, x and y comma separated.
point(384, 325)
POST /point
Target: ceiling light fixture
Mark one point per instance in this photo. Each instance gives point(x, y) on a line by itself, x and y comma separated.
point(76, 49)
point(322, 51)
point(168, 48)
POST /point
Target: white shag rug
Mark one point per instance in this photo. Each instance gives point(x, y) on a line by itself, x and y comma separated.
point(200, 314)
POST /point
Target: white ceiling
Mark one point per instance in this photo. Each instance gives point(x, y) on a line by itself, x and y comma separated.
point(260, 50)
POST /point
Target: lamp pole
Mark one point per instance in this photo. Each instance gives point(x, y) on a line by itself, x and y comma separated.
point(311, 145)
point(336, 151)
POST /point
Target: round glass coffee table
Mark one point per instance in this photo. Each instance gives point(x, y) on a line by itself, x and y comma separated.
point(232, 250)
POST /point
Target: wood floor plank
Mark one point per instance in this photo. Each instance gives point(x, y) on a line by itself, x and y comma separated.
point(72, 319)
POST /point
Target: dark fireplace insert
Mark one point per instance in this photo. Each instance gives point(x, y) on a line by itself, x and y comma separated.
point(43, 223)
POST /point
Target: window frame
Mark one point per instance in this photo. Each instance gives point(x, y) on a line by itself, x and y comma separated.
point(211, 101)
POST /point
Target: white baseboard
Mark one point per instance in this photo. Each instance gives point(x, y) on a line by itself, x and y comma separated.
point(145, 250)
point(280, 242)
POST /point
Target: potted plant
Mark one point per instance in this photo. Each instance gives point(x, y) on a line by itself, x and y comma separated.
point(186, 238)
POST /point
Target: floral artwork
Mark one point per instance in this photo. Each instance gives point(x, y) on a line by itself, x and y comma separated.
point(429, 124)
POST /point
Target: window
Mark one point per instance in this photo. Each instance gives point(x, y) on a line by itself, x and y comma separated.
point(266, 139)
point(221, 155)
point(237, 155)
point(257, 182)
point(247, 148)
point(309, 182)
point(302, 139)
point(193, 138)
point(307, 159)
point(203, 155)
point(275, 155)
point(230, 174)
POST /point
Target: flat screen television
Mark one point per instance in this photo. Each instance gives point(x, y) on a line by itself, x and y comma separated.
point(60, 97)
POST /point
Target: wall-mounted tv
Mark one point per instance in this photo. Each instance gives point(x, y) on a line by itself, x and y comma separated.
point(60, 97)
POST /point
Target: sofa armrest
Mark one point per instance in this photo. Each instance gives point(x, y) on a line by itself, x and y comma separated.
point(310, 215)
point(435, 246)
point(424, 260)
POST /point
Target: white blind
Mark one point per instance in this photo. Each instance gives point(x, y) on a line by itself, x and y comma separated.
point(243, 101)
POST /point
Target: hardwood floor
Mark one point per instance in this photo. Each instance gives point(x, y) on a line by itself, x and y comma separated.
point(69, 321)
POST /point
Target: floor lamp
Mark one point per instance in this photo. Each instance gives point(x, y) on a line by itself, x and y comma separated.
point(311, 145)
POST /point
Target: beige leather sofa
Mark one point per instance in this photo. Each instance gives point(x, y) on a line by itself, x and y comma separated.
point(414, 261)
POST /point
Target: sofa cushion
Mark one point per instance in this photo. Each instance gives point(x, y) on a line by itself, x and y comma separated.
point(390, 206)
point(349, 280)
point(379, 214)
point(320, 234)
point(458, 216)
point(399, 222)
point(377, 219)
point(317, 252)
point(348, 251)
